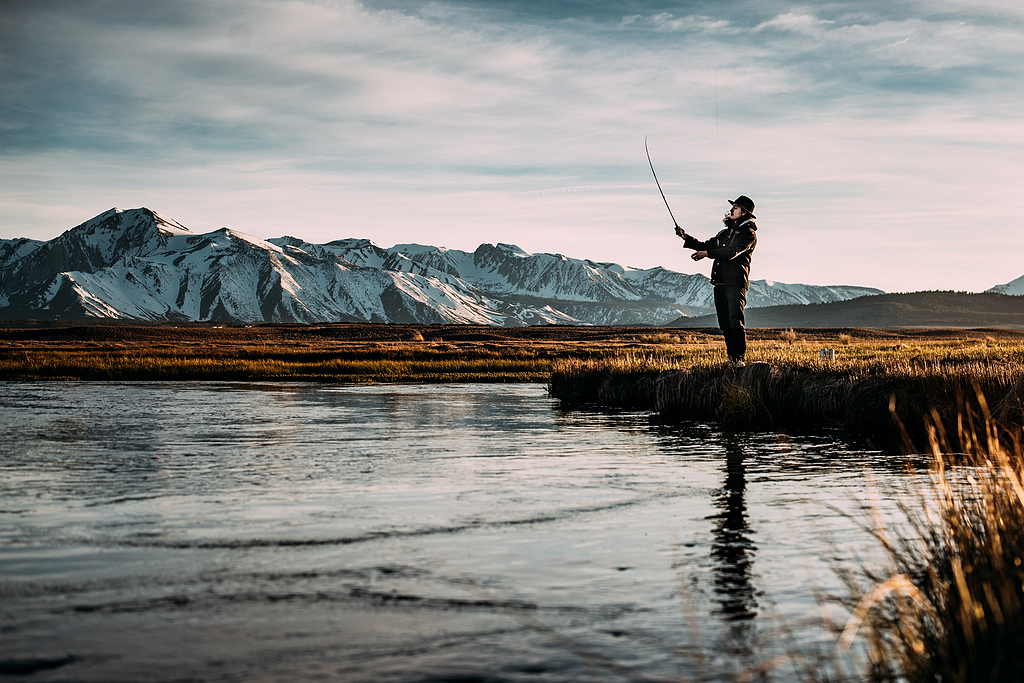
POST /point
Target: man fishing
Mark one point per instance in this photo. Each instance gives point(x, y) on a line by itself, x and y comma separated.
point(730, 274)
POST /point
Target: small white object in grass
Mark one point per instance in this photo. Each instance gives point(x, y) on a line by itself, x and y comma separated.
point(827, 354)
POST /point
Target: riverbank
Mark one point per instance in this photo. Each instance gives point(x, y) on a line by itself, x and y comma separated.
point(873, 391)
point(682, 375)
point(324, 353)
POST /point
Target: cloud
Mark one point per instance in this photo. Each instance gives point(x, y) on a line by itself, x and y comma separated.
point(459, 122)
point(797, 23)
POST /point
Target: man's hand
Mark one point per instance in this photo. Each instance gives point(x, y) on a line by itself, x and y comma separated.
point(698, 255)
point(680, 232)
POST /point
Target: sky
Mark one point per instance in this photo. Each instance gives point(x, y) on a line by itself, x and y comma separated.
point(881, 141)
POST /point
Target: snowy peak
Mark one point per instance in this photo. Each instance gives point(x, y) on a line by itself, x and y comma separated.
point(137, 264)
point(513, 250)
point(772, 293)
point(118, 232)
point(359, 252)
point(1013, 287)
point(95, 244)
point(440, 259)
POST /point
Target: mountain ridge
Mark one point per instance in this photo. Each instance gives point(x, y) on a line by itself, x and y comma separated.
point(910, 309)
point(139, 265)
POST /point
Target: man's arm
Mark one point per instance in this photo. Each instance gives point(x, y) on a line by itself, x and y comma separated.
point(690, 243)
point(741, 242)
point(700, 248)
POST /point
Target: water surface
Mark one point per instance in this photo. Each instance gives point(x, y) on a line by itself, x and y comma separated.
point(236, 532)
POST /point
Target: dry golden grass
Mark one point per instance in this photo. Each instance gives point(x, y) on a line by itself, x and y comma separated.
point(789, 386)
point(419, 353)
point(857, 358)
point(259, 364)
point(949, 605)
point(661, 338)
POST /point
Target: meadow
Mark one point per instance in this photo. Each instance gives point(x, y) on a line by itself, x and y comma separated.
point(458, 353)
point(323, 353)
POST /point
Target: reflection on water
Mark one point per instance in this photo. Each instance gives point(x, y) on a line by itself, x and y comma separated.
point(732, 548)
point(400, 533)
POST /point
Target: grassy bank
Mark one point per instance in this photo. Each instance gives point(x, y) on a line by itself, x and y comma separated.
point(171, 367)
point(868, 390)
point(322, 353)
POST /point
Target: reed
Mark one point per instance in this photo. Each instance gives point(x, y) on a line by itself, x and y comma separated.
point(950, 604)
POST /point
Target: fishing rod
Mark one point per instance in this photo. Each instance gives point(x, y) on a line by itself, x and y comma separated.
point(663, 198)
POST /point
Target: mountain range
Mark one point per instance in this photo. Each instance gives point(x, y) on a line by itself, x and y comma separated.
point(138, 265)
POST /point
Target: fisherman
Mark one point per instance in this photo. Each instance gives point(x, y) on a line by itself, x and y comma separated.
point(730, 274)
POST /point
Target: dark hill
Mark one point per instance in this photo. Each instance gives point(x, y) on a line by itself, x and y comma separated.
point(913, 309)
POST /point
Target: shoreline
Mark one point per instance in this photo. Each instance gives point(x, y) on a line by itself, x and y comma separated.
point(891, 411)
point(678, 374)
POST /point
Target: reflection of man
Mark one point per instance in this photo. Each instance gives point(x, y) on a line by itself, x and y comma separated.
point(732, 548)
point(731, 250)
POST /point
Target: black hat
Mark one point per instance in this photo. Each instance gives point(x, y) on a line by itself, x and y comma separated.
point(745, 203)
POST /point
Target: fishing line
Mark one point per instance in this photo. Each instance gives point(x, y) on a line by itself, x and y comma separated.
point(703, 142)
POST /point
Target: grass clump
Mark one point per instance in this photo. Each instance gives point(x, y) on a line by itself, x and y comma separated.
point(661, 338)
point(623, 380)
point(788, 336)
point(950, 605)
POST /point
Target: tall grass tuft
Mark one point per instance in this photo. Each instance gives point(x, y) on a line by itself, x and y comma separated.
point(788, 336)
point(950, 605)
point(661, 338)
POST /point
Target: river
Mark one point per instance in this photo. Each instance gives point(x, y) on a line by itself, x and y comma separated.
point(239, 532)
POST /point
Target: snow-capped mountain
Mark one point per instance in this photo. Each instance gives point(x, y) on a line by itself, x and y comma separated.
point(137, 264)
point(1013, 287)
point(506, 270)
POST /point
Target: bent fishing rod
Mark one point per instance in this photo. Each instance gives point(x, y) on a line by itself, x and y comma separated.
point(656, 182)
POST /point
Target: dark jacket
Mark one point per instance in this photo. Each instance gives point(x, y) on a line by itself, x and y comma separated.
point(731, 250)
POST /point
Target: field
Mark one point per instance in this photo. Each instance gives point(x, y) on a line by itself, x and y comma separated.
point(455, 353)
point(881, 389)
point(327, 353)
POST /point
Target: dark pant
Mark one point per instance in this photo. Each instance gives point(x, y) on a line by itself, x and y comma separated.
point(729, 303)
